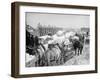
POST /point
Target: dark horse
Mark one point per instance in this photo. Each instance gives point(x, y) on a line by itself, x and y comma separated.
point(78, 45)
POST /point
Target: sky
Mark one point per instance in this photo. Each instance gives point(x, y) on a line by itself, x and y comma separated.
point(58, 20)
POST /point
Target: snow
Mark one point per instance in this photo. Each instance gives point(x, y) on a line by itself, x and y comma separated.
point(81, 59)
point(43, 37)
point(60, 33)
point(75, 37)
point(29, 57)
point(68, 34)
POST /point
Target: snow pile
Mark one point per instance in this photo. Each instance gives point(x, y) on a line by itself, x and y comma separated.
point(29, 57)
point(69, 34)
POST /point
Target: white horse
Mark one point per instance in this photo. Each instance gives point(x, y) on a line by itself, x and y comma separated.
point(53, 54)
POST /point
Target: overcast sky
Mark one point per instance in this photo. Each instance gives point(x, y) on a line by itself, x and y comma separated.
point(58, 20)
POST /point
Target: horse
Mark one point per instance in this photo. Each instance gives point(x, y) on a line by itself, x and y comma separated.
point(52, 55)
point(38, 51)
point(77, 44)
point(40, 55)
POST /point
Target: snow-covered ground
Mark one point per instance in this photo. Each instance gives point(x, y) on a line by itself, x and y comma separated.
point(81, 59)
point(30, 60)
point(29, 57)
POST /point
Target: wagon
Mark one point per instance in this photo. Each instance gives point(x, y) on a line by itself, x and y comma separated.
point(68, 52)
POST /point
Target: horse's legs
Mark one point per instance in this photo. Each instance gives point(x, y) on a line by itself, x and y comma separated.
point(75, 51)
point(43, 60)
point(48, 62)
point(36, 63)
point(79, 51)
point(39, 60)
point(60, 60)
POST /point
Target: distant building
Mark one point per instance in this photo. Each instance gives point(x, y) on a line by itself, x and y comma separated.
point(44, 30)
